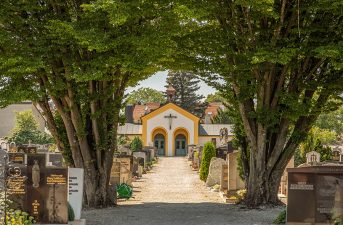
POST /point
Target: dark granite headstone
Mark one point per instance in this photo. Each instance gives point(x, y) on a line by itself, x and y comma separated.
point(315, 194)
point(36, 195)
point(17, 186)
point(56, 211)
point(31, 150)
point(16, 157)
point(56, 159)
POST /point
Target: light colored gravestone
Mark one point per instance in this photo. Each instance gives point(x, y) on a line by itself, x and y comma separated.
point(234, 181)
point(140, 171)
point(224, 178)
point(312, 157)
point(215, 171)
point(135, 164)
point(125, 169)
point(141, 155)
point(115, 173)
point(284, 178)
point(191, 149)
point(75, 190)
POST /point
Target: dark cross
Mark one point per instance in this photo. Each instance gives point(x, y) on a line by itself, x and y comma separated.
point(170, 117)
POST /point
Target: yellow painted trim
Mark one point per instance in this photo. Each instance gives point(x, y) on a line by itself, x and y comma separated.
point(164, 108)
point(177, 131)
point(163, 131)
point(144, 133)
point(174, 107)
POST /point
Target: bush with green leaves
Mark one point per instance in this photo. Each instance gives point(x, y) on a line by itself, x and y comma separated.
point(136, 144)
point(281, 218)
point(208, 153)
point(18, 217)
point(13, 217)
point(26, 130)
point(71, 214)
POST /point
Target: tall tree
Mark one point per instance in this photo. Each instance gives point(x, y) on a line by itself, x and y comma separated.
point(145, 95)
point(282, 62)
point(215, 97)
point(81, 55)
point(331, 121)
point(186, 85)
point(26, 130)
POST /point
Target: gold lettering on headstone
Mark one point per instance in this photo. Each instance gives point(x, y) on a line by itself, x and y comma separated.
point(16, 185)
point(35, 207)
point(56, 179)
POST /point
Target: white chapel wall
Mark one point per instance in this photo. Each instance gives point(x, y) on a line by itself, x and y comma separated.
point(160, 121)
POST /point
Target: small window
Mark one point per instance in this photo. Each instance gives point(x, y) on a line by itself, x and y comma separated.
point(162, 144)
point(156, 144)
point(183, 145)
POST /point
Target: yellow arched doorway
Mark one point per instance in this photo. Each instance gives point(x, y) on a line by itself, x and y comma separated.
point(160, 139)
point(180, 141)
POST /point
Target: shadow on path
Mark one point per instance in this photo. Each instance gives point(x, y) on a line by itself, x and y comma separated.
point(159, 213)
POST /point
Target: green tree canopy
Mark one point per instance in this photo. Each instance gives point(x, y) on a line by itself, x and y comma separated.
point(281, 60)
point(331, 121)
point(215, 97)
point(144, 95)
point(26, 130)
point(81, 56)
point(186, 85)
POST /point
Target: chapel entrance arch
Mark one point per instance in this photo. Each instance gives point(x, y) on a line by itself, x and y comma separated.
point(181, 140)
point(160, 138)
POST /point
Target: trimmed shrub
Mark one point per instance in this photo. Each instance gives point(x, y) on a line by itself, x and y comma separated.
point(208, 153)
point(281, 218)
point(71, 214)
point(136, 144)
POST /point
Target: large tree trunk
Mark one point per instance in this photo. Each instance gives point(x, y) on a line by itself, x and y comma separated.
point(91, 128)
point(271, 150)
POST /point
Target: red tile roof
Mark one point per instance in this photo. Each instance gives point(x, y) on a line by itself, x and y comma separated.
point(141, 110)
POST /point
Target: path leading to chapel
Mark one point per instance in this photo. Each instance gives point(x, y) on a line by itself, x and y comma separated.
point(173, 194)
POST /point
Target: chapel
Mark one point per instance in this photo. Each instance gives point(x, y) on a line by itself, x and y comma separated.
point(171, 129)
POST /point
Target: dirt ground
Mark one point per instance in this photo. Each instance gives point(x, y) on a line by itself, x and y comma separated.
point(172, 194)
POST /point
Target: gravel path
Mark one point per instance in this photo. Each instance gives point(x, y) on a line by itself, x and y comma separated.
point(172, 194)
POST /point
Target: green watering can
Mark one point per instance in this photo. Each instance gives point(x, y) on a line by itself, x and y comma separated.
point(124, 191)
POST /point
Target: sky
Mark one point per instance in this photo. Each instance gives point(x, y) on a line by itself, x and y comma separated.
point(158, 81)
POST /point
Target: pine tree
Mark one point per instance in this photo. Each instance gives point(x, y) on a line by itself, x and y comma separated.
point(186, 84)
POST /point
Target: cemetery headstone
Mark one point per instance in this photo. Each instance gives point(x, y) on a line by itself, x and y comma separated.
point(284, 178)
point(135, 166)
point(125, 169)
point(55, 159)
point(75, 196)
point(336, 155)
point(224, 178)
point(315, 195)
point(16, 186)
point(140, 171)
point(312, 157)
point(57, 196)
point(141, 154)
point(36, 186)
point(234, 181)
point(115, 173)
point(16, 157)
point(215, 172)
